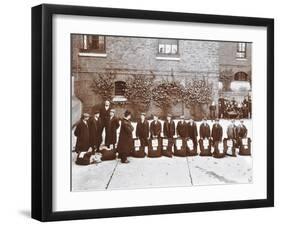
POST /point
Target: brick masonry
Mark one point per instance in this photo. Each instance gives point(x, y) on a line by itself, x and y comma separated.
point(127, 56)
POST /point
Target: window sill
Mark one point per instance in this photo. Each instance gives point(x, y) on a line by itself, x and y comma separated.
point(119, 99)
point(173, 58)
point(241, 59)
point(86, 54)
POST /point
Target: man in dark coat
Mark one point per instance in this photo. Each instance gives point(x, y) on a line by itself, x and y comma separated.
point(142, 130)
point(111, 129)
point(216, 132)
point(192, 131)
point(82, 133)
point(204, 130)
point(231, 130)
point(182, 128)
point(125, 143)
point(213, 110)
point(95, 131)
point(250, 106)
point(155, 128)
point(169, 127)
point(105, 114)
point(241, 132)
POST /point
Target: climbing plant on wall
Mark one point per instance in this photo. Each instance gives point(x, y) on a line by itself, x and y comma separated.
point(197, 94)
point(103, 84)
point(138, 91)
point(167, 94)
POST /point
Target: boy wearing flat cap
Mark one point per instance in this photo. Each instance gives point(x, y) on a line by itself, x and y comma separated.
point(95, 130)
point(82, 133)
point(142, 130)
point(111, 129)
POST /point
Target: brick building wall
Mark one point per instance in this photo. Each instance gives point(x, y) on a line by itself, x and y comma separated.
point(230, 63)
point(129, 56)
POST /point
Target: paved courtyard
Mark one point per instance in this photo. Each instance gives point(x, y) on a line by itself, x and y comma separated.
point(163, 171)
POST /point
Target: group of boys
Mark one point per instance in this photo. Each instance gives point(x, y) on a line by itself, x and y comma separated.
point(89, 131)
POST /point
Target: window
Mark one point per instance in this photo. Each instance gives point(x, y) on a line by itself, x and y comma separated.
point(120, 87)
point(241, 76)
point(93, 43)
point(241, 50)
point(167, 47)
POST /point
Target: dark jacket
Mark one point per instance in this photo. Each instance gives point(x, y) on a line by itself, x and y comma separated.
point(169, 129)
point(104, 116)
point(241, 131)
point(95, 132)
point(217, 132)
point(142, 130)
point(82, 133)
point(192, 131)
point(125, 142)
point(111, 130)
point(155, 129)
point(204, 131)
point(231, 132)
point(182, 129)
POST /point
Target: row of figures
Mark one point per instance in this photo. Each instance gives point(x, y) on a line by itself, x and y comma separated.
point(154, 140)
point(183, 147)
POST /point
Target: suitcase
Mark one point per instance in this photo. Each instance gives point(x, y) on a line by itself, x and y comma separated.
point(205, 147)
point(245, 146)
point(167, 147)
point(154, 148)
point(138, 150)
point(191, 148)
point(229, 147)
point(180, 147)
point(219, 151)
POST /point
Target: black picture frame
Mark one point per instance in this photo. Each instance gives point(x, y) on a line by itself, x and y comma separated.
point(42, 111)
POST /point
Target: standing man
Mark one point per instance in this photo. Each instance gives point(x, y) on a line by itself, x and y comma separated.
point(95, 130)
point(155, 128)
point(125, 142)
point(231, 130)
point(169, 127)
point(241, 132)
point(182, 131)
point(192, 131)
point(204, 130)
point(250, 107)
point(142, 130)
point(216, 132)
point(221, 106)
point(213, 111)
point(105, 114)
point(82, 133)
point(111, 130)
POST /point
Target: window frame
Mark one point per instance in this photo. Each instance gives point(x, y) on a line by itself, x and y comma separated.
point(85, 48)
point(164, 54)
point(241, 52)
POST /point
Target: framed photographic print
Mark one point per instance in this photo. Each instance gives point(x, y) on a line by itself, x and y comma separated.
point(146, 112)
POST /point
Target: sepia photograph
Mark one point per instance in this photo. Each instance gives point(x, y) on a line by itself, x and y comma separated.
point(152, 112)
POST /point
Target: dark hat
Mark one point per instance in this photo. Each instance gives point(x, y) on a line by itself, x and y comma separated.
point(143, 113)
point(86, 115)
point(126, 113)
point(96, 112)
